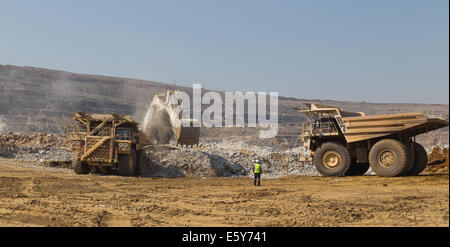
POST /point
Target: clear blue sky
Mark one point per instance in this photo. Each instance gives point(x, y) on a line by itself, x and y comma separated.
point(361, 50)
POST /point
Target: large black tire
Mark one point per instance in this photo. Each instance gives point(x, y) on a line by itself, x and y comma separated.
point(141, 162)
point(388, 158)
point(332, 159)
point(80, 167)
point(410, 152)
point(127, 163)
point(357, 169)
point(104, 170)
point(420, 160)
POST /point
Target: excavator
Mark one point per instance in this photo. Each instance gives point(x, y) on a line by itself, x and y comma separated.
point(164, 120)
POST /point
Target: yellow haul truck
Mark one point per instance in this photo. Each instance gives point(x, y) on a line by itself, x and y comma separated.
point(111, 142)
point(348, 143)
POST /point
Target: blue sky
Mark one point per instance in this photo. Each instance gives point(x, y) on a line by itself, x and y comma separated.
point(360, 50)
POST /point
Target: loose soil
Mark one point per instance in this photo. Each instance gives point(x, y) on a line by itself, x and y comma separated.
point(58, 197)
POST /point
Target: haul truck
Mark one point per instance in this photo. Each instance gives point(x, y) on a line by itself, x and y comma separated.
point(348, 143)
point(110, 142)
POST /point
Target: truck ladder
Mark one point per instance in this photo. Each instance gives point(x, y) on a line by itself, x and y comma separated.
point(93, 148)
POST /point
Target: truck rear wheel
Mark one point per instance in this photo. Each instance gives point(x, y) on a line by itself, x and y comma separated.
point(388, 158)
point(332, 159)
point(420, 159)
point(357, 169)
point(410, 153)
point(80, 167)
point(127, 163)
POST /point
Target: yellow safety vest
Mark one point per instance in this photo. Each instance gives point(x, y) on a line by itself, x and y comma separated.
point(257, 168)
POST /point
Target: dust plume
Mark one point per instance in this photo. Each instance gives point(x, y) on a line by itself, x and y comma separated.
point(156, 126)
point(2, 124)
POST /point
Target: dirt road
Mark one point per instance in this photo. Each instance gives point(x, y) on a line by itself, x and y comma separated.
point(42, 197)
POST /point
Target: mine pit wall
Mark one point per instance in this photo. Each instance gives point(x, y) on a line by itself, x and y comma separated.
point(39, 100)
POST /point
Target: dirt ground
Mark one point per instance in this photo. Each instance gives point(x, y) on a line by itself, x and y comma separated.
point(42, 197)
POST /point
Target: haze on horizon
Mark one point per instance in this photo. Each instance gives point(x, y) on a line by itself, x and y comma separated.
point(374, 51)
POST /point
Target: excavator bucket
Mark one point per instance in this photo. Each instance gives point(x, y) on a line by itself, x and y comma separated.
point(187, 135)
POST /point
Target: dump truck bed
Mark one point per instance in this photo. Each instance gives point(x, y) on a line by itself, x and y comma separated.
point(367, 127)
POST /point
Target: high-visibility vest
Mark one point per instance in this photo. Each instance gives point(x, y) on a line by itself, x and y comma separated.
point(257, 168)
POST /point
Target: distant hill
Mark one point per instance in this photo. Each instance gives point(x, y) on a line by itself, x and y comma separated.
point(39, 100)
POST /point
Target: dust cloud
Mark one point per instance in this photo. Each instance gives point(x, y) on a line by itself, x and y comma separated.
point(2, 124)
point(156, 126)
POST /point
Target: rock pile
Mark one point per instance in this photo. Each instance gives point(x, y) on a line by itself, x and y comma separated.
point(275, 162)
point(227, 158)
point(48, 150)
point(170, 161)
point(42, 154)
point(35, 140)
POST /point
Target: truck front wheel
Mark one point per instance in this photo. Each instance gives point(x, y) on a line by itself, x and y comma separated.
point(141, 163)
point(127, 163)
point(332, 159)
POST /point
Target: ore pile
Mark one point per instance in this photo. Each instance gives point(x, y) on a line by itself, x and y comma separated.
point(275, 162)
point(43, 154)
point(35, 139)
point(170, 161)
point(35, 149)
point(227, 158)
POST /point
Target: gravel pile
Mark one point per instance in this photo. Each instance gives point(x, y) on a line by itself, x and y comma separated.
point(226, 158)
point(43, 154)
point(35, 149)
point(275, 162)
point(169, 161)
point(34, 139)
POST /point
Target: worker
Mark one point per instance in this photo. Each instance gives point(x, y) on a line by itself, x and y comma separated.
point(257, 172)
